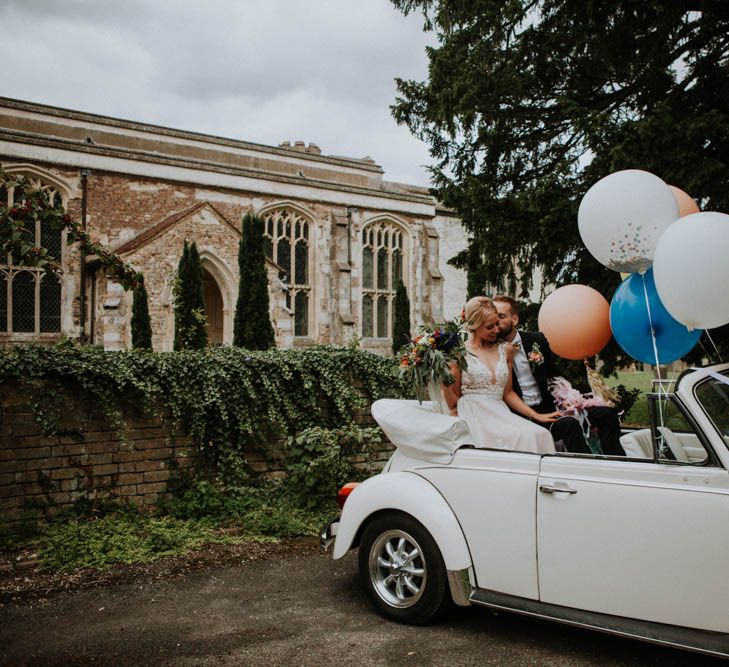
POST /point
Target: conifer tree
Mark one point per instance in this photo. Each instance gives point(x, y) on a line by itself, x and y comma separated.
point(190, 317)
point(528, 103)
point(401, 324)
point(241, 306)
point(141, 328)
point(252, 327)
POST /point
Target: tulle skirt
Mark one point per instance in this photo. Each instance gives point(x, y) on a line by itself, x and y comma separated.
point(492, 424)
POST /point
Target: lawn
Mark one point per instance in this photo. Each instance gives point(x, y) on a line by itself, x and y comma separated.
point(638, 415)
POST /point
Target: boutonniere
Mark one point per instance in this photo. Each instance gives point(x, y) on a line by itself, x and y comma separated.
point(535, 357)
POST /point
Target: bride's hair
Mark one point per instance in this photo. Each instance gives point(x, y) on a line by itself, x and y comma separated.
point(476, 311)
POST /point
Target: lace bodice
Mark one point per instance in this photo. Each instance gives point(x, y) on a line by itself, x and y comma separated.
point(478, 379)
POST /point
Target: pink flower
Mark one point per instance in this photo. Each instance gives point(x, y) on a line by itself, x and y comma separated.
point(535, 356)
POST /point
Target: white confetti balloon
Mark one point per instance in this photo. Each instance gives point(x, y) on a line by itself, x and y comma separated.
point(691, 270)
point(622, 217)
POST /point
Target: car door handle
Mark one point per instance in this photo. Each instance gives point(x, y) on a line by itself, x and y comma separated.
point(555, 489)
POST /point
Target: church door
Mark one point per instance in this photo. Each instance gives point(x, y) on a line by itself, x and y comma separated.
point(213, 302)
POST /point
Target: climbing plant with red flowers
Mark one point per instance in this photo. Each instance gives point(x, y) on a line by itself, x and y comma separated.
point(18, 217)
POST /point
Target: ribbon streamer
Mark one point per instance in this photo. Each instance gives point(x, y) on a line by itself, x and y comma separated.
point(655, 354)
point(721, 361)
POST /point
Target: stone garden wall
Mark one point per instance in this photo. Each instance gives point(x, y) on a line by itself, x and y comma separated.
point(46, 467)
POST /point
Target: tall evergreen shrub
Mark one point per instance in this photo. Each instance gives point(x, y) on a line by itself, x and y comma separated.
point(190, 317)
point(141, 327)
point(252, 327)
point(241, 306)
point(401, 324)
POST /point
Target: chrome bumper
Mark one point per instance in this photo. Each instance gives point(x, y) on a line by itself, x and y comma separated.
point(328, 534)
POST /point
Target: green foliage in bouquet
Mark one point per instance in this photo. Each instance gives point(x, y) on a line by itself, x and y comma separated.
point(426, 358)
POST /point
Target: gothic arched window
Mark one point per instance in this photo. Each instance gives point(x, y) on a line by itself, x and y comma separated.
point(30, 299)
point(286, 239)
point(382, 268)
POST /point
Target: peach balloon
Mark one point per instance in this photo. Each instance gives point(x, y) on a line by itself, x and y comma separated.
point(686, 205)
point(576, 321)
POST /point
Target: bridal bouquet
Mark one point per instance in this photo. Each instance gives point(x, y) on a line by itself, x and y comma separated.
point(424, 360)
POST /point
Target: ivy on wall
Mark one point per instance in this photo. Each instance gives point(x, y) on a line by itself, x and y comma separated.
point(17, 231)
point(227, 399)
point(319, 461)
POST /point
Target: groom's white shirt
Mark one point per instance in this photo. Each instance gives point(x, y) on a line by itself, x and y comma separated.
point(530, 393)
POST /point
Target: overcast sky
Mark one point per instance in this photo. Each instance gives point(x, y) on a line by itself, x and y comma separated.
point(259, 70)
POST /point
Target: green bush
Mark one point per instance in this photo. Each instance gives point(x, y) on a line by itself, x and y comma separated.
point(201, 499)
point(281, 520)
point(118, 538)
point(318, 461)
point(627, 398)
point(264, 509)
point(100, 537)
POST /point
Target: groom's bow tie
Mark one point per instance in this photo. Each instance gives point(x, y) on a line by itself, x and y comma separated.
point(516, 345)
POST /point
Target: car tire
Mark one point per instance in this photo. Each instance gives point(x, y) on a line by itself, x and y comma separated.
point(402, 570)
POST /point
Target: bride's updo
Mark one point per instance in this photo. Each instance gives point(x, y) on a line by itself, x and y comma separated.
point(476, 311)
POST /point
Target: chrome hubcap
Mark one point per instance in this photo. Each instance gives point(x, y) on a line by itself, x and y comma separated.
point(397, 568)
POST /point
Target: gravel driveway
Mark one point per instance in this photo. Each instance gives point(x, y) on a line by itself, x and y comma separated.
point(303, 609)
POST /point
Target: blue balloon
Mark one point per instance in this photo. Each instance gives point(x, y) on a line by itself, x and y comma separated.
point(631, 323)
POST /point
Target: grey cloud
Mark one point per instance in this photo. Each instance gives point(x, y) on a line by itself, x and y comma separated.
point(305, 52)
point(261, 71)
point(90, 11)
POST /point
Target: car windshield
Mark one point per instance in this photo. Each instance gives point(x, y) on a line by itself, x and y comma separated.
point(713, 394)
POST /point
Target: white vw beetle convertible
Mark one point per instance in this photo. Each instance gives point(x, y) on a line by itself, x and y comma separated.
point(636, 546)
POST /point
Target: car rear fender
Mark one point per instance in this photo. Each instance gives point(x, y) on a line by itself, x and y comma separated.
point(404, 492)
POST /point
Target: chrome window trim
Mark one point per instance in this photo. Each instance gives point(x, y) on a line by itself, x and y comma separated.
point(712, 460)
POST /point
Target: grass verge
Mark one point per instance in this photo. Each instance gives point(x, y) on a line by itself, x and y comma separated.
point(638, 415)
point(105, 534)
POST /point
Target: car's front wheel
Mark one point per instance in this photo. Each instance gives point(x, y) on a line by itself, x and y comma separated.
point(402, 570)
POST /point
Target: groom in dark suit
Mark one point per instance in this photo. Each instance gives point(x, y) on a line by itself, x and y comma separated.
point(533, 368)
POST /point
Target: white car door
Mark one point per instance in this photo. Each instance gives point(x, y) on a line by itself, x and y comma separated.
point(493, 495)
point(636, 539)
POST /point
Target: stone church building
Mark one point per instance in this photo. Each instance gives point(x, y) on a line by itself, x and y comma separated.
point(338, 235)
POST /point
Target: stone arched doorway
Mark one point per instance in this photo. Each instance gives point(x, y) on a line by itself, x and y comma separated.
point(213, 303)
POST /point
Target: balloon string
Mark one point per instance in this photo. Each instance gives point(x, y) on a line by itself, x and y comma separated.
point(655, 352)
point(721, 361)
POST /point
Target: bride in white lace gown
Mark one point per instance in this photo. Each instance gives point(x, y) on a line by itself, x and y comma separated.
point(482, 394)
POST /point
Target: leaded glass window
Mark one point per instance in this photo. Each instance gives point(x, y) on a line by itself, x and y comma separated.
point(4, 301)
point(368, 264)
point(383, 324)
point(301, 314)
point(30, 299)
point(50, 303)
point(382, 268)
point(24, 283)
point(286, 242)
point(368, 318)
